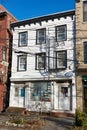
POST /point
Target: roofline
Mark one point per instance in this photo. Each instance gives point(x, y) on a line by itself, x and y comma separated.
point(12, 15)
point(7, 12)
point(43, 18)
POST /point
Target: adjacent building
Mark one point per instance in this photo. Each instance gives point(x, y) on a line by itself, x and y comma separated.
point(43, 64)
point(81, 54)
point(5, 55)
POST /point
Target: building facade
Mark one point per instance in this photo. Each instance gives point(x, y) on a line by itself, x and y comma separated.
point(5, 55)
point(43, 63)
point(81, 54)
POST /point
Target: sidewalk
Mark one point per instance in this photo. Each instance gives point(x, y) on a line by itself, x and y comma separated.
point(51, 123)
point(57, 123)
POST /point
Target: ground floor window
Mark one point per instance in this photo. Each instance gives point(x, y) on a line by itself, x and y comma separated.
point(41, 91)
point(19, 90)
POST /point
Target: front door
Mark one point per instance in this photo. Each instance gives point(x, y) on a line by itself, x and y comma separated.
point(64, 98)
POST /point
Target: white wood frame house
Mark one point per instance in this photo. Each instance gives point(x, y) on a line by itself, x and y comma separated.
point(43, 63)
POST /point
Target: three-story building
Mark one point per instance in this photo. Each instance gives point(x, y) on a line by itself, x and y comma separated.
point(43, 63)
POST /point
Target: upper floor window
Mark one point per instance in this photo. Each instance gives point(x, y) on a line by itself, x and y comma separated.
point(84, 11)
point(61, 59)
point(85, 52)
point(22, 63)
point(41, 36)
point(23, 39)
point(40, 61)
point(61, 33)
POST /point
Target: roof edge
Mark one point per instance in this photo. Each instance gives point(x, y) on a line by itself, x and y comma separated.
point(42, 18)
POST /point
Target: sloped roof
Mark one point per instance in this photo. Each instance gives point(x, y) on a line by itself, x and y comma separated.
point(3, 10)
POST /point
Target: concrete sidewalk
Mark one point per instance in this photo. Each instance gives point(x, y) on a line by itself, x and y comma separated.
point(57, 123)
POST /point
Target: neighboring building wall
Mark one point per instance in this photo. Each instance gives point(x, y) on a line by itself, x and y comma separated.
point(5, 48)
point(81, 54)
point(57, 81)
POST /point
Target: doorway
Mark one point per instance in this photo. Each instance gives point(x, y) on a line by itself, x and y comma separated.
point(64, 98)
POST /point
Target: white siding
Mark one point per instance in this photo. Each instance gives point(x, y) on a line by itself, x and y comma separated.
point(31, 74)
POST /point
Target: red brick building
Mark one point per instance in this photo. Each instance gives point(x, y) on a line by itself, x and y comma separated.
point(5, 55)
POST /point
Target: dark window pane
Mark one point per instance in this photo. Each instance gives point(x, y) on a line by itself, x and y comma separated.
point(61, 33)
point(41, 36)
point(61, 59)
point(40, 61)
point(84, 11)
point(23, 39)
point(22, 62)
point(85, 52)
point(22, 92)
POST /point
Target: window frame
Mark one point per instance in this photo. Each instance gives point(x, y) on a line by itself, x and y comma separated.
point(41, 91)
point(38, 37)
point(18, 65)
point(22, 92)
point(44, 62)
point(84, 19)
point(65, 60)
point(25, 40)
point(61, 33)
point(19, 91)
point(85, 51)
point(16, 91)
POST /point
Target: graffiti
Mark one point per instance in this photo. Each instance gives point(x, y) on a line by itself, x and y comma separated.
point(39, 107)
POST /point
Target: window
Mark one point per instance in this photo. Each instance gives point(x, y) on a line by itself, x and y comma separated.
point(16, 92)
point(84, 11)
point(22, 63)
point(64, 91)
point(22, 92)
point(40, 60)
point(85, 52)
point(61, 33)
point(41, 91)
point(41, 36)
point(23, 39)
point(61, 59)
point(3, 55)
point(19, 92)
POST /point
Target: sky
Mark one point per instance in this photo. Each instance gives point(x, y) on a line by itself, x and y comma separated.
point(26, 9)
